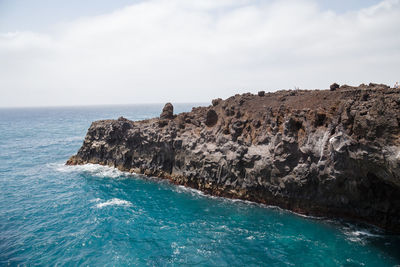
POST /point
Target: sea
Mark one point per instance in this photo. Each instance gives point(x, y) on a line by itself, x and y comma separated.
point(90, 215)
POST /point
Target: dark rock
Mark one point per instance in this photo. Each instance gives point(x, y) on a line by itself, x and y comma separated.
point(334, 86)
point(256, 123)
point(237, 127)
point(211, 118)
point(167, 112)
point(230, 111)
point(315, 152)
point(261, 93)
point(162, 123)
point(215, 102)
point(293, 125)
point(319, 119)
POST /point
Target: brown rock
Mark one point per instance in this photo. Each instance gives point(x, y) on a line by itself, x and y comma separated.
point(215, 102)
point(167, 112)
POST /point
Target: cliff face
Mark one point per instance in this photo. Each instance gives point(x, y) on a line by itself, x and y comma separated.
point(330, 153)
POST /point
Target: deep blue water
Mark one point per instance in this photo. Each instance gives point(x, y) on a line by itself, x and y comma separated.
point(51, 214)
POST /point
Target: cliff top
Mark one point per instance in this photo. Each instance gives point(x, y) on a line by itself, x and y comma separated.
point(358, 108)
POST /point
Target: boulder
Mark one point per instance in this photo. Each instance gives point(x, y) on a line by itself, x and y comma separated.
point(167, 112)
point(334, 86)
point(215, 102)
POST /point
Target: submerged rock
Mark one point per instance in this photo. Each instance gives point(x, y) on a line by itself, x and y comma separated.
point(321, 152)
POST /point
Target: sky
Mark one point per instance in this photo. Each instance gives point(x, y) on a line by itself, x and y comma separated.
point(93, 52)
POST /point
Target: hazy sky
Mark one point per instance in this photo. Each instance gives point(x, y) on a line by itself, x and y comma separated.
point(56, 52)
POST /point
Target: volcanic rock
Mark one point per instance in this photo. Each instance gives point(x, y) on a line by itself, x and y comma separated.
point(167, 112)
point(211, 118)
point(334, 86)
point(215, 102)
point(318, 152)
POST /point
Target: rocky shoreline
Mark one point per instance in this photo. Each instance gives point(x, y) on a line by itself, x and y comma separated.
point(333, 153)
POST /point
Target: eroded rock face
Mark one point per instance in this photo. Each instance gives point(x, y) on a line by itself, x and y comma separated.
point(322, 152)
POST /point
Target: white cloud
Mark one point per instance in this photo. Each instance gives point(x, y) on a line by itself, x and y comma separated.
point(186, 51)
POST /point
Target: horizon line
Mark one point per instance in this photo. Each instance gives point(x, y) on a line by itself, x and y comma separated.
point(99, 105)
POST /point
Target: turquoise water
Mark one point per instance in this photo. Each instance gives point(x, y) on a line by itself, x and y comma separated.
point(51, 214)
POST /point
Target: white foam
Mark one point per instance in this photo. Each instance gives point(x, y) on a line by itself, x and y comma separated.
point(353, 233)
point(356, 234)
point(364, 233)
point(92, 169)
point(114, 202)
point(192, 191)
point(359, 233)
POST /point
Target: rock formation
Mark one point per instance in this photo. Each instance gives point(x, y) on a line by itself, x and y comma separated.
point(320, 152)
point(167, 112)
point(334, 86)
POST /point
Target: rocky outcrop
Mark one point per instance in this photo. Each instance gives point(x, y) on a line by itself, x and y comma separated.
point(167, 112)
point(334, 86)
point(321, 152)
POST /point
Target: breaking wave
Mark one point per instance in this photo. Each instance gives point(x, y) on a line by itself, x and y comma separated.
point(114, 202)
point(352, 232)
point(360, 234)
point(92, 169)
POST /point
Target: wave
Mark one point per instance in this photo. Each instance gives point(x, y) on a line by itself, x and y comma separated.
point(198, 193)
point(114, 202)
point(353, 233)
point(91, 169)
point(192, 191)
point(359, 234)
point(364, 233)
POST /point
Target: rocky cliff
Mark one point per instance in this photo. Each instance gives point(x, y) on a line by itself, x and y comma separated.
point(319, 152)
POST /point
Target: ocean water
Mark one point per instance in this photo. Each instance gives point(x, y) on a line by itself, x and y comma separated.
point(52, 214)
